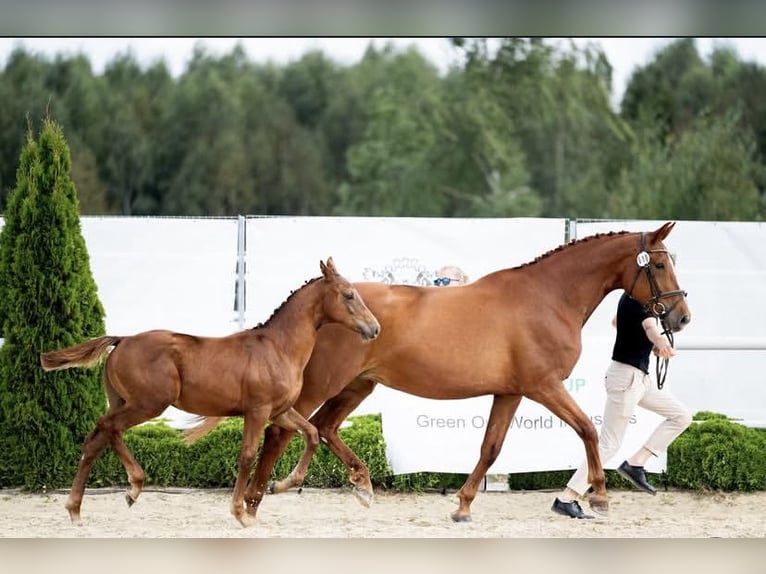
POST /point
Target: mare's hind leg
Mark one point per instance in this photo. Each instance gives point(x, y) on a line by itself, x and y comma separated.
point(503, 409)
point(254, 423)
point(557, 400)
point(327, 420)
point(290, 420)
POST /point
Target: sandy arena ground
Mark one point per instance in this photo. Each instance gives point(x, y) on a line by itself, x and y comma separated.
point(313, 513)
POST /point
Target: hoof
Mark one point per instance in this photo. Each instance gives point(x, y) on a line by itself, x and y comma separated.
point(251, 506)
point(458, 517)
point(246, 519)
point(272, 486)
point(599, 504)
point(130, 500)
point(75, 517)
point(364, 496)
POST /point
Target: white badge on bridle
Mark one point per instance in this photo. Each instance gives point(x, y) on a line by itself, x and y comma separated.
point(642, 259)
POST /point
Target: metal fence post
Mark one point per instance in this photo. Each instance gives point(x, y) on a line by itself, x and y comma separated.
point(241, 271)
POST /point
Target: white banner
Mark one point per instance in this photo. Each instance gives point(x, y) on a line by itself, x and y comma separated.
point(423, 434)
point(283, 252)
point(722, 266)
point(179, 273)
point(164, 273)
point(445, 436)
point(721, 358)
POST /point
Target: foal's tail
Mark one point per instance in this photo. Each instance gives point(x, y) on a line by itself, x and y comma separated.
point(85, 354)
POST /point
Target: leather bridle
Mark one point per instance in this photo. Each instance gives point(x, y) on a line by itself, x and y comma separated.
point(654, 305)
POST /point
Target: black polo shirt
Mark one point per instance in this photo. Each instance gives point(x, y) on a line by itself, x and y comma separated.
point(631, 345)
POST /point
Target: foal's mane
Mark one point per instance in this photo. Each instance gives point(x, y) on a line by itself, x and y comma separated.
point(281, 306)
point(566, 246)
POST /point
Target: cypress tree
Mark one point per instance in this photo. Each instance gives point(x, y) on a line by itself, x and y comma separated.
point(48, 300)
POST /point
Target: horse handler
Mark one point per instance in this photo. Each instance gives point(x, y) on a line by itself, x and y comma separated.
point(628, 384)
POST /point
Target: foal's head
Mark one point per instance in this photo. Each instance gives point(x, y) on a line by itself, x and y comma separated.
point(343, 304)
point(654, 282)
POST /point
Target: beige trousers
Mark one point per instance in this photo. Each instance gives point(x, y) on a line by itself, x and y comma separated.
point(627, 387)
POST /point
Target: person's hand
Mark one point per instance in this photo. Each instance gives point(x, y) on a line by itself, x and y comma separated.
point(664, 351)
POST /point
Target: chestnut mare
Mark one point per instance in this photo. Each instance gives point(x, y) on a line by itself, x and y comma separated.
point(255, 373)
point(513, 333)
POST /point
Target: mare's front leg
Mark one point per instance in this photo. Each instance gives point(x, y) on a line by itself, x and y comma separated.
point(503, 409)
point(290, 420)
point(557, 400)
point(254, 423)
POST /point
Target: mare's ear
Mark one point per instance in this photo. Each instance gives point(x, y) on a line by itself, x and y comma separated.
point(328, 269)
point(661, 233)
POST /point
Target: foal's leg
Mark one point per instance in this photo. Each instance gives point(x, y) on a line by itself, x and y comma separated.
point(557, 400)
point(108, 430)
point(275, 441)
point(254, 423)
point(293, 421)
point(290, 420)
point(500, 415)
point(94, 445)
point(136, 474)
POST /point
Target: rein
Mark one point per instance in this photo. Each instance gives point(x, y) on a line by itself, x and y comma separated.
point(654, 305)
point(661, 366)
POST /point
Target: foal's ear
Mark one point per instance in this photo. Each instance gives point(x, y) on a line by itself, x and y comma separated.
point(661, 233)
point(328, 269)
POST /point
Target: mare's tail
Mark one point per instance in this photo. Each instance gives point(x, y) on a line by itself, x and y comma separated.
point(207, 424)
point(85, 354)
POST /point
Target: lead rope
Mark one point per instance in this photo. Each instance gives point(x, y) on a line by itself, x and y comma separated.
point(662, 363)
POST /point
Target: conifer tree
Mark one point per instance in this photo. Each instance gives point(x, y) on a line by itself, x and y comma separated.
point(48, 300)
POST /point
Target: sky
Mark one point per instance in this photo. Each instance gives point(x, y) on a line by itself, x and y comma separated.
point(625, 54)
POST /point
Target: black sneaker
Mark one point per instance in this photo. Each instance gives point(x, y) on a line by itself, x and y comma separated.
point(636, 475)
point(570, 509)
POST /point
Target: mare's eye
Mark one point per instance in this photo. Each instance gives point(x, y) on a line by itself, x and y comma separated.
point(660, 265)
point(348, 295)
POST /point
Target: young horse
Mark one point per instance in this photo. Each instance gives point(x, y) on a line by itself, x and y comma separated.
point(255, 373)
point(519, 335)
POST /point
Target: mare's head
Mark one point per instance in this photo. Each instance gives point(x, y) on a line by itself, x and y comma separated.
point(343, 304)
point(652, 280)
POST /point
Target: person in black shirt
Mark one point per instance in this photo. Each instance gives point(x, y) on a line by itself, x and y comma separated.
point(628, 384)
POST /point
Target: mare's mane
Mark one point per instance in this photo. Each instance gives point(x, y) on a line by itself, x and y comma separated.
point(566, 246)
point(281, 306)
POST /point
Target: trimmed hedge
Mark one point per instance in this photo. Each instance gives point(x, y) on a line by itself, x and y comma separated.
point(714, 453)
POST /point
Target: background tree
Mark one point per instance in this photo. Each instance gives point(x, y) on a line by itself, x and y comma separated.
point(517, 126)
point(390, 167)
point(23, 95)
point(48, 300)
